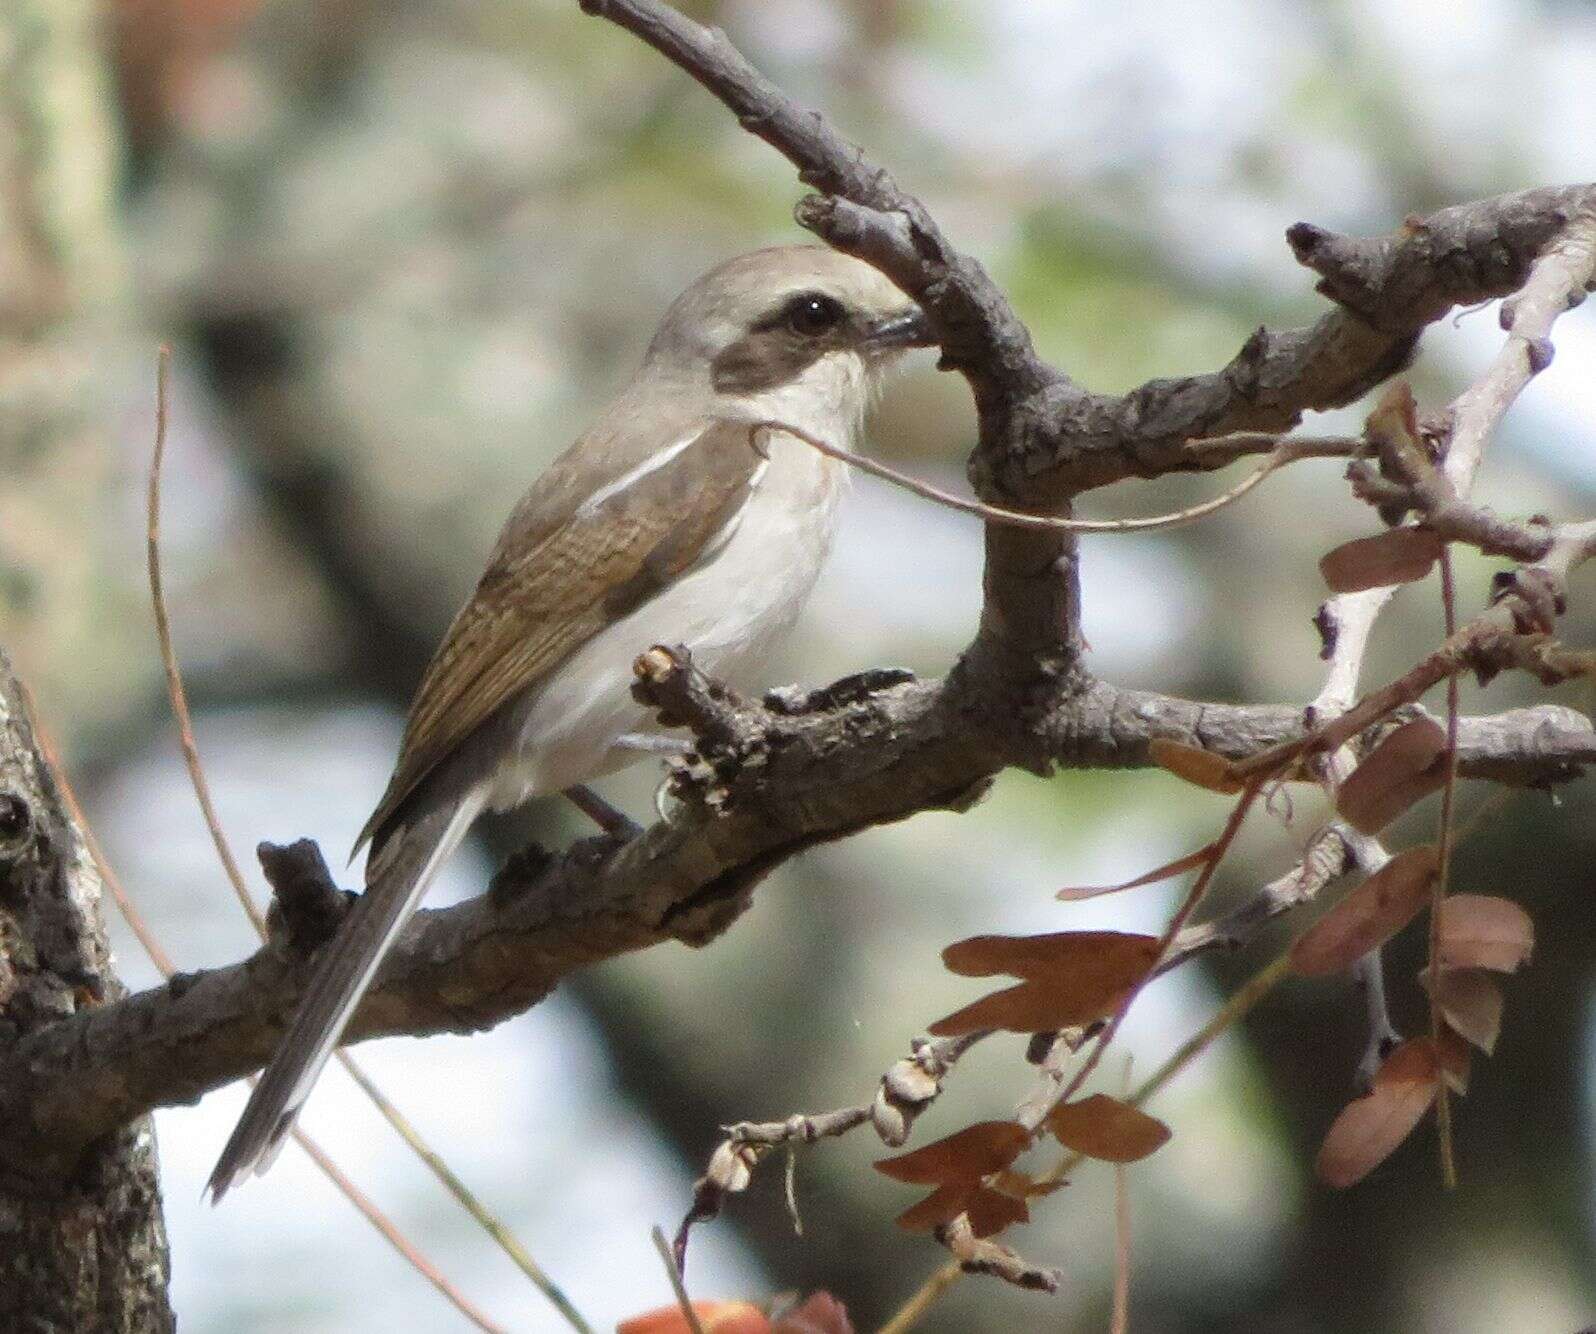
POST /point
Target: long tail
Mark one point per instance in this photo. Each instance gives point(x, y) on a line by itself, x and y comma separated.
point(345, 971)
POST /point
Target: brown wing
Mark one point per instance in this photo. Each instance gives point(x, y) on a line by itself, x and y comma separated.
point(565, 567)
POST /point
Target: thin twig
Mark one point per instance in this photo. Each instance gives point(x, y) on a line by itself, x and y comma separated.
point(163, 633)
point(1194, 896)
point(675, 1276)
point(913, 1311)
point(489, 1222)
point(1325, 858)
point(1259, 985)
point(397, 1239)
point(1556, 282)
point(1443, 1101)
point(178, 696)
point(1120, 1323)
point(1368, 973)
point(1286, 451)
point(909, 1086)
point(1122, 1242)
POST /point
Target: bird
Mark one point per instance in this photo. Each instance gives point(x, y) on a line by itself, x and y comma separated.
point(685, 515)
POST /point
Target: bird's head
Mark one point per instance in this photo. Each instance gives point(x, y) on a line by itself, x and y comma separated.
point(789, 318)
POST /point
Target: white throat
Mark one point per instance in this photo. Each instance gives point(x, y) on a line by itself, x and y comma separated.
point(828, 399)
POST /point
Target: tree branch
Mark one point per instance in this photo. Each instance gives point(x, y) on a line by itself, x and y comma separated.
point(1112, 727)
point(866, 756)
point(821, 776)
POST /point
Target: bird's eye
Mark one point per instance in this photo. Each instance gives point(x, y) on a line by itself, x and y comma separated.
point(811, 314)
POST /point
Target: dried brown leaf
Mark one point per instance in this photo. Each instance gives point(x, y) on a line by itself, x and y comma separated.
point(1032, 1007)
point(1111, 959)
point(1395, 417)
point(1370, 1128)
point(1073, 977)
point(1405, 767)
point(1396, 557)
point(1370, 914)
point(1200, 767)
point(965, 1156)
point(942, 1205)
point(991, 1211)
point(1470, 1001)
point(1482, 931)
point(1190, 862)
point(1106, 1128)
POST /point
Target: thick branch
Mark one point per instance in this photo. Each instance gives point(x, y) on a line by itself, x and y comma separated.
point(1456, 257)
point(1389, 287)
point(862, 210)
point(821, 776)
point(865, 757)
point(1533, 747)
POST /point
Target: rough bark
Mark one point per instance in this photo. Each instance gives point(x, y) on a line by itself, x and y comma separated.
point(82, 1245)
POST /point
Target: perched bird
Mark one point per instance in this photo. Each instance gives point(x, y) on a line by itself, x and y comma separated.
point(673, 520)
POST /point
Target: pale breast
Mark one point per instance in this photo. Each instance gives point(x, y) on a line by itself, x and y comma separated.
point(728, 610)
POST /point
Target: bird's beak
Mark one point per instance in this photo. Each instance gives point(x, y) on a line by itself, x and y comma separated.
point(906, 328)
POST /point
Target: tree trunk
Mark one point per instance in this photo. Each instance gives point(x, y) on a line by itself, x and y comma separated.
point(82, 1243)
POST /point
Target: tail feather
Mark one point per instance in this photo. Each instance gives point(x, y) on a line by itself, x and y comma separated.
point(343, 975)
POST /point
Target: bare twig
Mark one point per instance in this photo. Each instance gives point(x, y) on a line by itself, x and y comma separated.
point(678, 1287)
point(1443, 1101)
point(905, 1091)
point(1285, 450)
point(395, 1238)
point(1490, 643)
point(913, 1311)
point(1381, 1036)
point(1326, 858)
point(1119, 1321)
point(1557, 282)
point(981, 1255)
point(163, 632)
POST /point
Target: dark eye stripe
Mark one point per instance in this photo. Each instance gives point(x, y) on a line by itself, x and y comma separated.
point(807, 314)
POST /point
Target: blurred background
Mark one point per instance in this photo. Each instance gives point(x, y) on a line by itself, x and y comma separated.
point(402, 248)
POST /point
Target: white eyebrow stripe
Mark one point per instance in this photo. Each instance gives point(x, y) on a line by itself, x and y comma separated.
point(649, 465)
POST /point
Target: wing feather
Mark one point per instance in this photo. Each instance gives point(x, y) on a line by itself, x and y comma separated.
point(565, 568)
